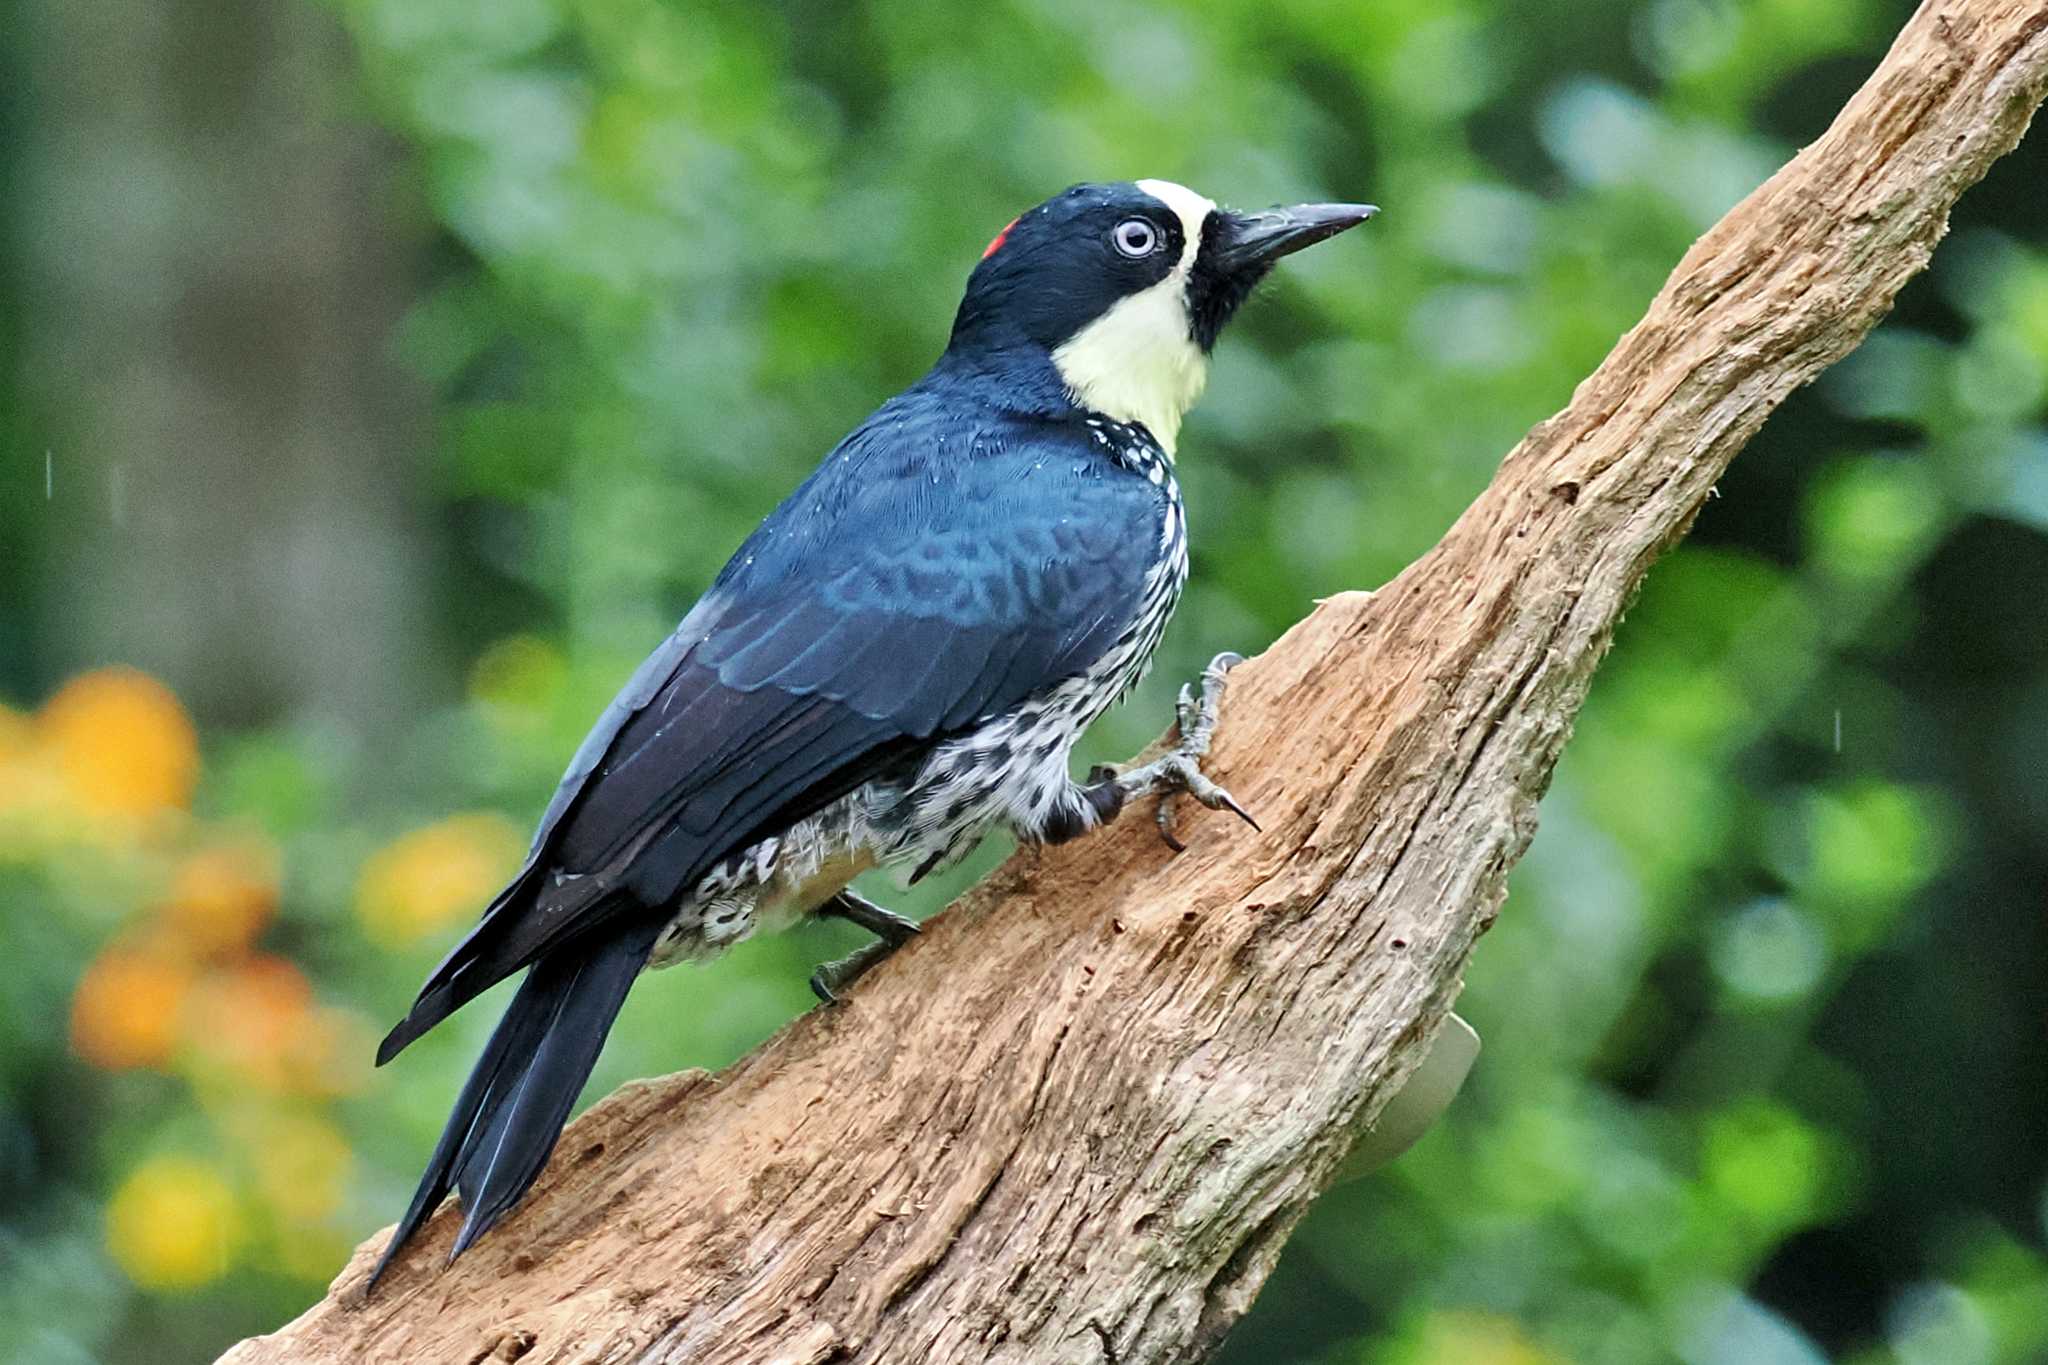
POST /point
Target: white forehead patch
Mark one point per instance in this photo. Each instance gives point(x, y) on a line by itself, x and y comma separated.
point(1139, 362)
point(1192, 209)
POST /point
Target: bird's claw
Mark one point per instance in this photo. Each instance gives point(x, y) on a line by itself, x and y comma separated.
point(891, 932)
point(1180, 768)
point(1197, 716)
point(1177, 772)
point(832, 978)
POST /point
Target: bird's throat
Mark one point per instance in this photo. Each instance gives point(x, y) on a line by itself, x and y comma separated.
point(1138, 362)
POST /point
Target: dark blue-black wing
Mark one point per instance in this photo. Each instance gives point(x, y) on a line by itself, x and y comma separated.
point(894, 600)
point(905, 613)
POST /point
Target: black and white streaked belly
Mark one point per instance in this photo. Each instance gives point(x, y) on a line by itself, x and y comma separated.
point(1012, 770)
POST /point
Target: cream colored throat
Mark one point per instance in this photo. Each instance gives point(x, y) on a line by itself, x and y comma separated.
point(1138, 362)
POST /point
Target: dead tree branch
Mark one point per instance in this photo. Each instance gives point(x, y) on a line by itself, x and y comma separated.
point(1077, 1119)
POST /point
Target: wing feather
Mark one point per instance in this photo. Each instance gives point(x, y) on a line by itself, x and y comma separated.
point(891, 602)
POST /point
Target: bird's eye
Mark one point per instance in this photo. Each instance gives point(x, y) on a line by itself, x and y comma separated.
point(1135, 237)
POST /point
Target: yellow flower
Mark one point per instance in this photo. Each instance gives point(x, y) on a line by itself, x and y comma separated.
point(302, 1167)
point(125, 1011)
point(173, 1224)
point(1463, 1337)
point(221, 897)
point(34, 800)
point(421, 882)
point(17, 736)
point(122, 743)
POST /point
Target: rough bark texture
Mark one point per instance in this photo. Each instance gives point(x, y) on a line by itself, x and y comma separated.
point(1076, 1120)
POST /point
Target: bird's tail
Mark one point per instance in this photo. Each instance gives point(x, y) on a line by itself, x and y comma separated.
point(517, 1098)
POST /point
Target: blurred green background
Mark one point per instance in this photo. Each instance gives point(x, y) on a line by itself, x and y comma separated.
point(383, 377)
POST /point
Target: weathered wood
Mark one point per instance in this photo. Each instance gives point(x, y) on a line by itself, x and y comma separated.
point(1078, 1117)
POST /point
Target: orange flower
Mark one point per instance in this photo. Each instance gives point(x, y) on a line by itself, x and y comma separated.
point(221, 897)
point(423, 881)
point(31, 789)
point(122, 743)
point(125, 1011)
point(248, 1017)
point(329, 1053)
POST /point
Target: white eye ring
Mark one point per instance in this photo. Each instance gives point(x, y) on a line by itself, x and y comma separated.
point(1135, 237)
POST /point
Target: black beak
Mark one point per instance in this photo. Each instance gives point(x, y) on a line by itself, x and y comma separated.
point(1256, 240)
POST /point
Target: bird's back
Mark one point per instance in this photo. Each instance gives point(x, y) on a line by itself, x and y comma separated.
point(901, 655)
point(945, 564)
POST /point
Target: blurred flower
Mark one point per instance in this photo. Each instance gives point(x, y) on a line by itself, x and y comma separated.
point(221, 897)
point(329, 1053)
point(251, 1018)
point(32, 791)
point(302, 1166)
point(126, 1009)
point(173, 1224)
point(431, 877)
point(122, 743)
point(1457, 1337)
point(17, 735)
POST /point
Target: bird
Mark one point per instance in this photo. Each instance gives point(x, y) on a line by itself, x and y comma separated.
point(898, 660)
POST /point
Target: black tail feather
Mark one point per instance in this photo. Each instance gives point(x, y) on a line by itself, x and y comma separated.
point(475, 964)
point(519, 1095)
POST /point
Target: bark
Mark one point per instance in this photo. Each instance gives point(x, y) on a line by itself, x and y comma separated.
point(1076, 1120)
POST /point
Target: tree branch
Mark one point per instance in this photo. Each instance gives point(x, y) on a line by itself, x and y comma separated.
point(1076, 1119)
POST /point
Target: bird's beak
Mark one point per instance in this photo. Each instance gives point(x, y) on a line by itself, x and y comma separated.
point(1256, 240)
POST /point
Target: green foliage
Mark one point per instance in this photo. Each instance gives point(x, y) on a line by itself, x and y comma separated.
point(1761, 1081)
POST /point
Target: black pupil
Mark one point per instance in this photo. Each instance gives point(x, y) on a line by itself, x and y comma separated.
point(1135, 237)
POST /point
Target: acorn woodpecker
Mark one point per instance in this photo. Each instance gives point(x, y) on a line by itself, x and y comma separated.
point(900, 658)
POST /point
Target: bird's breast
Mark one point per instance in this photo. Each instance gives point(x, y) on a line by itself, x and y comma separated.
point(789, 897)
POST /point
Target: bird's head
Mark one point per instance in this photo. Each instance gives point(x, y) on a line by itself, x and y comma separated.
point(1124, 287)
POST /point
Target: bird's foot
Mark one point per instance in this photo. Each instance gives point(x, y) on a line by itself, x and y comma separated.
point(1179, 769)
point(891, 932)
